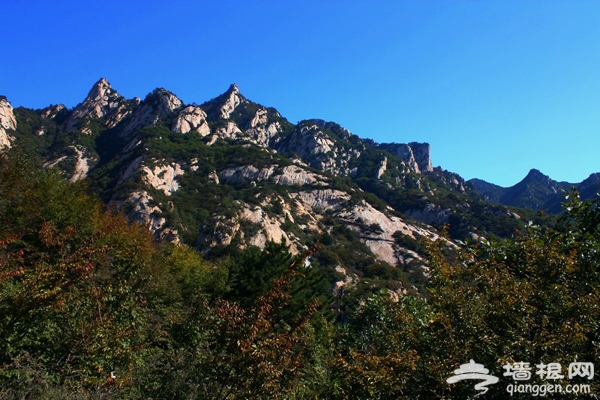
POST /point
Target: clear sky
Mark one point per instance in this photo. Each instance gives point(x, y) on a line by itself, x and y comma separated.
point(496, 87)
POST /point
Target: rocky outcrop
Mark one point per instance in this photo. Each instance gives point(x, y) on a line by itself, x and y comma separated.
point(260, 118)
point(382, 168)
point(213, 177)
point(55, 162)
point(219, 232)
point(288, 175)
point(261, 131)
point(246, 173)
point(81, 165)
point(149, 215)
point(228, 131)
point(101, 102)
point(191, 118)
point(269, 228)
point(310, 141)
point(340, 286)
point(334, 127)
point(131, 169)
point(53, 111)
point(294, 175)
point(405, 152)
point(160, 104)
point(322, 199)
point(233, 98)
point(319, 149)
point(415, 155)
point(254, 226)
point(162, 177)
point(422, 155)
point(362, 217)
point(7, 121)
point(144, 213)
point(312, 146)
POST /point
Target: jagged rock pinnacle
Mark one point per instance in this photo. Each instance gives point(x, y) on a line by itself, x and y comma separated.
point(233, 88)
point(233, 99)
point(157, 105)
point(101, 102)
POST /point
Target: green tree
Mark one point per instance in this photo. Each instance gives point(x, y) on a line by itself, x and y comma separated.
point(255, 268)
point(72, 284)
point(533, 298)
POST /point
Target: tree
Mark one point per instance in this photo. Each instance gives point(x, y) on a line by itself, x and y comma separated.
point(533, 298)
point(72, 283)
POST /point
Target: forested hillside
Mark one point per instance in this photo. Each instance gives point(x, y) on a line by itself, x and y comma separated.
point(93, 305)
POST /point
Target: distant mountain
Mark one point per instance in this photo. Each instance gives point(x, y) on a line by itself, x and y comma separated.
point(536, 191)
point(231, 173)
point(488, 190)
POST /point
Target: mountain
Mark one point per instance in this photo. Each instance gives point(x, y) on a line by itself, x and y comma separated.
point(96, 306)
point(488, 190)
point(536, 191)
point(231, 173)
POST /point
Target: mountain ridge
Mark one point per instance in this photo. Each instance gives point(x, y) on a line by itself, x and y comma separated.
point(231, 173)
point(536, 191)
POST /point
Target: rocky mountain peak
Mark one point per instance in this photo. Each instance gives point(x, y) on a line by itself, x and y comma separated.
point(233, 88)
point(590, 187)
point(592, 179)
point(164, 100)
point(536, 175)
point(101, 102)
point(535, 191)
point(233, 98)
point(100, 88)
point(7, 121)
point(159, 104)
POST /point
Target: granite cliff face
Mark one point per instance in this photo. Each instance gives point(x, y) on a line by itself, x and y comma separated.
point(7, 122)
point(415, 155)
point(191, 118)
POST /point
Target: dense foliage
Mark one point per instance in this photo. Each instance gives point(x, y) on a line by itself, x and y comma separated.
point(92, 307)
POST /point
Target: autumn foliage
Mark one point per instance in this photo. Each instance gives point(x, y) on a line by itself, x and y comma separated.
point(91, 306)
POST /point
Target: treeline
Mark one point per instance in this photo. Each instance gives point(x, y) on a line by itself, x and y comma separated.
point(91, 306)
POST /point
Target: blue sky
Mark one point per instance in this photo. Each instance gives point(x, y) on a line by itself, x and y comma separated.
point(496, 87)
